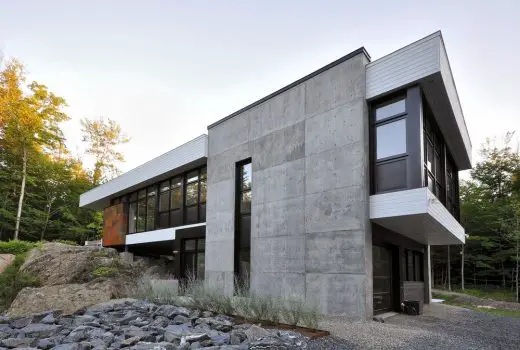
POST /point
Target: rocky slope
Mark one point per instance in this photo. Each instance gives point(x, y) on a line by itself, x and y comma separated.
point(74, 277)
point(140, 325)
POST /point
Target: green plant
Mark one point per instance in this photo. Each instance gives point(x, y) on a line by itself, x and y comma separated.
point(292, 312)
point(16, 247)
point(12, 281)
point(65, 241)
point(310, 317)
point(104, 271)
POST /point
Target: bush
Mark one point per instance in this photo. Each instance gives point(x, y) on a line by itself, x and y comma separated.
point(12, 281)
point(65, 241)
point(16, 247)
point(104, 271)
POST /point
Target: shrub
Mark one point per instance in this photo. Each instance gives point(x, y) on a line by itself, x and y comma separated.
point(310, 317)
point(16, 247)
point(65, 241)
point(12, 281)
point(104, 271)
point(292, 312)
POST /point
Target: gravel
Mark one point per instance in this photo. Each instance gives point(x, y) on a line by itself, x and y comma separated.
point(441, 327)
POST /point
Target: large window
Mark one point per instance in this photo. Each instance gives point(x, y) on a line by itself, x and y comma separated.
point(389, 146)
point(243, 222)
point(433, 158)
point(414, 266)
point(193, 257)
point(169, 203)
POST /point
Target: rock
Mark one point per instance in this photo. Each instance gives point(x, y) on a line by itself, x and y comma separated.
point(237, 337)
point(254, 333)
point(220, 339)
point(49, 319)
point(269, 343)
point(4, 319)
point(108, 338)
point(20, 322)
point(195, 345)
point(82, 319)
point(160, 321)
point(6, 260)
point(180, 319)
point(47, 343)
point(175, 332)
point(17, 342)
point(72, 346)
point(196, 337)
point(153, 346)
point(130, 341)
point(220, 323)
point(40, 330)
point(68, 297)
point(133, 331)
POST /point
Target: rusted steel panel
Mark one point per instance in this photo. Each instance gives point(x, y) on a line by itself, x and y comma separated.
point(115, 222)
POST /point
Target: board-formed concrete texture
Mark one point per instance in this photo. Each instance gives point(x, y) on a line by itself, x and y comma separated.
point(310, 233)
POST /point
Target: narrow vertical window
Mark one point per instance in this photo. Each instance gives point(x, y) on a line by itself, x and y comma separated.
point(150, 208)
point(243, 222)
point(176, 202)
point(203, 189)
point(192, 197)
point(141, 211)
point(164, 205)
point(132, 212)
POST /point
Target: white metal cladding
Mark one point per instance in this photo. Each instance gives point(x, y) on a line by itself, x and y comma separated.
point(417, 214)
point(187, 153)
point(425, 62)
point(167, 234)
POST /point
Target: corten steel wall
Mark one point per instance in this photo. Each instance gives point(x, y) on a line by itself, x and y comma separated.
point(310, 232)
point(115, 223)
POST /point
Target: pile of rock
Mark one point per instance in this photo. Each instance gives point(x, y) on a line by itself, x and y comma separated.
point(140, 325)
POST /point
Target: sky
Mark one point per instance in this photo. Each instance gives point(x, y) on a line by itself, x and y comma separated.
point(165, 70)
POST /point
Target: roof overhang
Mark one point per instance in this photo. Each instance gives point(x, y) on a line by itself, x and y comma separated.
point(425, 63)
point(417, 214)
point(189, 155)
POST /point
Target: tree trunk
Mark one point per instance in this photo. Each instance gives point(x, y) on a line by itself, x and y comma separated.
point(47, 215)
point(462, 268)
point(22, 193)
point(449, 269)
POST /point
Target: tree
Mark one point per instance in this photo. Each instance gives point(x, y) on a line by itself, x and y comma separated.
point(29, 122)
point(102, 139)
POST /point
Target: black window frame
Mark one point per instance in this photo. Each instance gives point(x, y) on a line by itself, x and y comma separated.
point(242, 216)
point(414, 266)
point(198, 250)
point(432, 138)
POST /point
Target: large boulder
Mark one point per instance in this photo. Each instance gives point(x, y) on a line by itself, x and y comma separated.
point(5, 261)
point(66, 297)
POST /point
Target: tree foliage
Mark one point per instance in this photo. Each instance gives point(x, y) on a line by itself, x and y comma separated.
point(40, 181)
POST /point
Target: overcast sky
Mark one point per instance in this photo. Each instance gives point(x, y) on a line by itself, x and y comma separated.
point(166, 69)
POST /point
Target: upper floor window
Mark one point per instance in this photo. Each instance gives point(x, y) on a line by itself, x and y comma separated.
point(243, 222)
point(433, 158)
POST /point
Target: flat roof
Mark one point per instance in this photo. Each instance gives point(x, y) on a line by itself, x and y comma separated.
point(297, 82)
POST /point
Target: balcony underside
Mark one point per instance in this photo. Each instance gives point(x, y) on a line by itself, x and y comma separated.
point(417, 214)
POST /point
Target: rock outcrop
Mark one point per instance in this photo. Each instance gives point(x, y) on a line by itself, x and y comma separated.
point(5, 261)
point(74, 277)
point(141, 325)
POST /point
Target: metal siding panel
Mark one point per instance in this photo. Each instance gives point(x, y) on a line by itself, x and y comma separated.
point(403, 66)
point(184, 154)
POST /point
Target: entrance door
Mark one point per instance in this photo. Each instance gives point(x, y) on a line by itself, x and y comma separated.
point(382, 269)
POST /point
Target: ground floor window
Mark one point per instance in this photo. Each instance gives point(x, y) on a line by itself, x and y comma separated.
point(194, 258)
point(414, 266)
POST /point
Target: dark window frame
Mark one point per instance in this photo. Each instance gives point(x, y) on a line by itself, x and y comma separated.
point(432, 137)
point(240, 215)
point(417, 271)
point(196, 251)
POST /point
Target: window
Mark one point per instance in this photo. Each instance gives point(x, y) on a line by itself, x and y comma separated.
point(391, 139)
point(150, 208)
point(164, 205)
point(243, 222)
point(192, 197)
point(433, 156)
point(193, 257)
point(452, 186)
point(203, 191)
point(389, 149)
point(414, 266)
point(132, 217)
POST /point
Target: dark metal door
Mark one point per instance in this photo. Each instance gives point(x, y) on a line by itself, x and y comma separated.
point(382, 270)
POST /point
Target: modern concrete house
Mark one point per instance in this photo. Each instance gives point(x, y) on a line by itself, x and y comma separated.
point(330, 190)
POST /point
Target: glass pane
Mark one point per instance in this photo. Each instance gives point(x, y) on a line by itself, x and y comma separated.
point(192, 193)
point(246, 176)
point(133, 197)
point(152, 191)
point(390, 110)
point(164, 201)
point(176, 198)
point(429, 156)
point(438, 167)
point(431, 184)
point(201, 244)
point(417, 263)
point(200, 266)
point(204, 173)
point(391, 139)
point(163, 220)
point(142, 194)
point(189, 244)
point(193, 176)
point(245, 231)
point(141, 215)
point(244, 265)
point(245, 202)
point(202, 212)
point(177, 182)
point(203, 189)
point(176, 218)
point(189, 265)
point(191, 215)
point(165, 186)
point(132, 217)
point(150, 210)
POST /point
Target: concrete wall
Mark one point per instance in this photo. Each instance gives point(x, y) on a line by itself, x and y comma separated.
point(310, 238)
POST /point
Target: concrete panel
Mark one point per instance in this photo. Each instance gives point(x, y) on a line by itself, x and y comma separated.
point(220, 226)
point(335, 252)
point(230, 133)
point(336, 168)
point(336, 210)
point(336, 86)
point(336, 294)
point(278, 254)
point(288, 286)
point(220, 254)
point(283, 110)
point(285, 217)
point(223, 165)
point(335, 128)
point(222, 281)
point(284, 181)
point(221, 196)
point(279, 147)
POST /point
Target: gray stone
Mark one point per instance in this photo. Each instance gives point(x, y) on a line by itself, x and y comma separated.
point(130, 341)
point(237, 337)
point(82, 319)
point(47, 343)
point(133, 331)
point(254, 333)
point(220, 339)
point(48, 319)
point(40, 330)
point(20, 322)
point(175, 332)
point(17, 342)
point(180, 319)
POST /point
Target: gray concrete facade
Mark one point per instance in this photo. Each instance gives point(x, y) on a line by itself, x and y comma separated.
point(311, 238)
